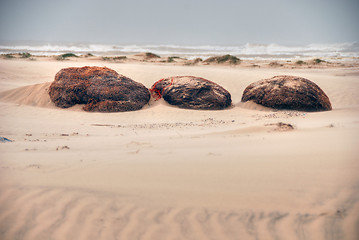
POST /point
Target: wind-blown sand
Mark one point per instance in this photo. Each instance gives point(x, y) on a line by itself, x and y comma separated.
point(169, 173)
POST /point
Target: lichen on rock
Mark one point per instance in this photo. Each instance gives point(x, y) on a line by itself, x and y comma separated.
point(100, 88)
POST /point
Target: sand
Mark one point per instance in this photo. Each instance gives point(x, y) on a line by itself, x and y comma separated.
point(247, 172)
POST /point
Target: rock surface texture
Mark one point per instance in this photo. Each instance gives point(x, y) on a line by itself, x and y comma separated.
point(100, 88)
point(287, 92)
point(192, 93)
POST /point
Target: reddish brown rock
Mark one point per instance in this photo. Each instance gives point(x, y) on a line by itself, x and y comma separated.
point(192, 93)
point(287, 92)
point(100, 88)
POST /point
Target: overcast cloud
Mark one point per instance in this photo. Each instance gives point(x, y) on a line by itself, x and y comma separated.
point(181, 21)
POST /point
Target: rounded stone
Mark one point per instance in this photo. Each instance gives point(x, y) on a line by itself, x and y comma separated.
point(100, 88)
point(192, 93)
point(287, 92)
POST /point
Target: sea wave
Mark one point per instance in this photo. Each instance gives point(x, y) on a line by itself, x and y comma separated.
point(245, 51)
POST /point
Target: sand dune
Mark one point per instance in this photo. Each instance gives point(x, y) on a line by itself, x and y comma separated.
point(247, 172)
point(34, 95)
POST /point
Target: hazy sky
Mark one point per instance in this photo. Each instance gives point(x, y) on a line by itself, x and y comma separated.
point(219, 22)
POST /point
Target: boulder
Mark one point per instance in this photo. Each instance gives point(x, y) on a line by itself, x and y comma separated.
point(287, 92)
point(100, 88)
point(192, 93)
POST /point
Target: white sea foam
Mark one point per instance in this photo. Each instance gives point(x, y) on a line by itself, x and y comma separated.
point(246, 51)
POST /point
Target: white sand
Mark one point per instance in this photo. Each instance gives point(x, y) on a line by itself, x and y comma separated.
point(169, 173)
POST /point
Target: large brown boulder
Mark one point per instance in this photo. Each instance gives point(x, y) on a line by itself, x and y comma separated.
point(287, 92)
point(100, 88)
point(192, 93)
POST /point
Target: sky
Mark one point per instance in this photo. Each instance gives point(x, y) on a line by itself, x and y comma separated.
point(186, 22)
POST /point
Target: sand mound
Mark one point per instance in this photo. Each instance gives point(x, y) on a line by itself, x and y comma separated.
point(253, 106)
point(34, 95)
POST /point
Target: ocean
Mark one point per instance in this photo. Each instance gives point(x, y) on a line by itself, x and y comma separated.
point(245, 51)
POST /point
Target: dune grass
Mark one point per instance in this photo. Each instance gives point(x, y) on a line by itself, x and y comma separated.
point(224, 59)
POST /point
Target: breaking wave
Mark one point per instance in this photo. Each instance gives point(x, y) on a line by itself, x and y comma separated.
point(246, 51)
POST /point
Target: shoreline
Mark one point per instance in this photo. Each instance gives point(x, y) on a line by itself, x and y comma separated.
point(231, 61)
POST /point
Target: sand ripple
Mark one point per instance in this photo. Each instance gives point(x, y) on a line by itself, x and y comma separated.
point(62, 213)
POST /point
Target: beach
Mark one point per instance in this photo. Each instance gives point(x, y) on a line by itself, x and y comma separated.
point(246, 172)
